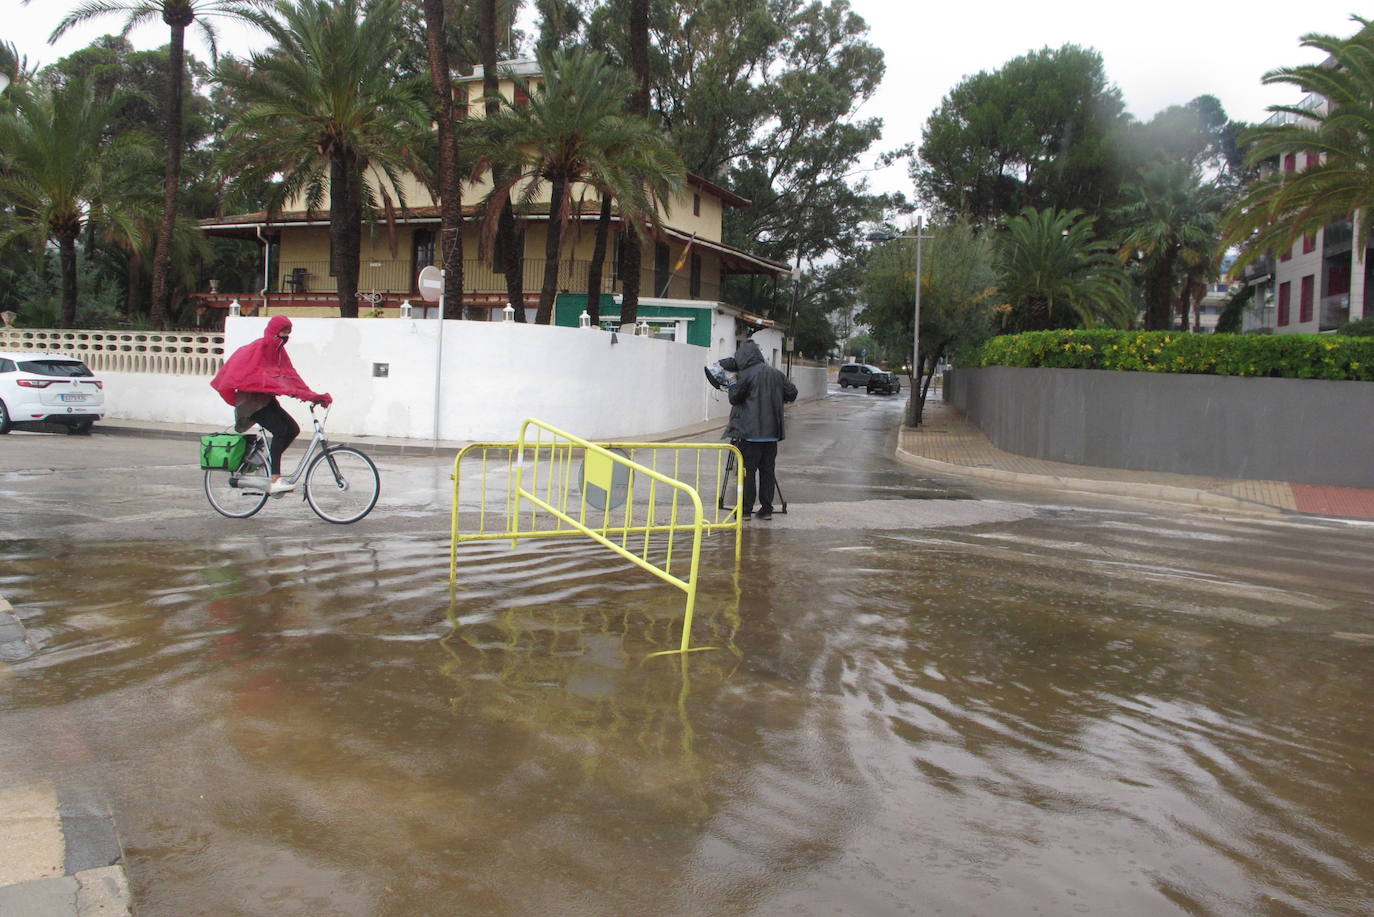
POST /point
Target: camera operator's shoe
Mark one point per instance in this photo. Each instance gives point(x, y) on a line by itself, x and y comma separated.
point(764, 515)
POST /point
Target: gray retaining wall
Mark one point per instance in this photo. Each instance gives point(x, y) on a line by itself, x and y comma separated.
point(1304, 430)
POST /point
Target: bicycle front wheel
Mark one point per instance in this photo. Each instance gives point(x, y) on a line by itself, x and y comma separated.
point(342, 485)
point(234, 502)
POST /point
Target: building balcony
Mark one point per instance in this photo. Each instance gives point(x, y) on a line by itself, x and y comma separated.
point(385, 285)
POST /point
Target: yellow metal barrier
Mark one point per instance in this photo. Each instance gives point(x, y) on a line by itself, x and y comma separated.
point(553, 484)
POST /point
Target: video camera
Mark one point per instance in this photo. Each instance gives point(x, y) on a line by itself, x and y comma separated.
point(721, 373)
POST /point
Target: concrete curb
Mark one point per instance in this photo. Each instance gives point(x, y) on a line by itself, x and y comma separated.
point(1202, 500)
point(92, 881)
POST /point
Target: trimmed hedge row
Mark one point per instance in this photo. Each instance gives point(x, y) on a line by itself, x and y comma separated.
point(1287, 356)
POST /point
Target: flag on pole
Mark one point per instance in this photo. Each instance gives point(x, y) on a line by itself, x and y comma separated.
point(683, 260)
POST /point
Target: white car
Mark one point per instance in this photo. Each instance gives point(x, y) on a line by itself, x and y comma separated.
point(49, 388)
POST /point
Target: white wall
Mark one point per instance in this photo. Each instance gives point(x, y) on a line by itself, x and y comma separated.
point(493, 376)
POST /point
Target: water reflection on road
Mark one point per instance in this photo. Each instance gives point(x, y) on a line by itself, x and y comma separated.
point(1052, 715)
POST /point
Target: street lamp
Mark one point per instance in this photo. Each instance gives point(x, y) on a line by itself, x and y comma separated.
point(913, 403)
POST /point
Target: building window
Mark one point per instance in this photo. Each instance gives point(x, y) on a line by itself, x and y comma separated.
point(695, 287)
point(522, 98)
point(1287, 254)
point(1305, 303)
point(662, 269)
point(1290, 162)
point(421, 249)
point(1309, 243)
point(696, 205)
point(1312, 160)
point(1285, 296)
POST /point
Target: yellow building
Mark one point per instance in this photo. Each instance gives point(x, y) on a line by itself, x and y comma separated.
point(687, 262)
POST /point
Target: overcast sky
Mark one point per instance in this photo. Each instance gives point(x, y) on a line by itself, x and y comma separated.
point(1159, 53)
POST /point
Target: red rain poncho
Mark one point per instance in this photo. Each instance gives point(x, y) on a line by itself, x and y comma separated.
point(263, 366)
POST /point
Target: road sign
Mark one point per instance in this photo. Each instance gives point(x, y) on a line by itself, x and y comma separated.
point(430, 283)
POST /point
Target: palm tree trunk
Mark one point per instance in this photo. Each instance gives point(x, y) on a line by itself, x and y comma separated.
point(345, 232)
point(133, 297)
point(1157, 299)
point(639, 105)
point(66, 247)
point(554, 240)
point(171, 185)
point(450, 192)
point(594, 267)
point(506, 235)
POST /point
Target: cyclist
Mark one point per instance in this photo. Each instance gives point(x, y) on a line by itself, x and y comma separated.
point(251, 379)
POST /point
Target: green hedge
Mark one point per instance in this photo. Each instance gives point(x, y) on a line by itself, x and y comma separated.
point(1289, 356)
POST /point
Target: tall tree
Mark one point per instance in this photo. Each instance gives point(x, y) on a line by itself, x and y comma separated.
point(762, 97)
point(1335, 142)
point(1042, 131)
point(507, 239)
point(177, 15)
point(326, 111)
point(450, 187)
point(958, 283)
point(56, 160)
point(632, 258)
point(1053, 273)
point(574, 133)
point(1170, 221)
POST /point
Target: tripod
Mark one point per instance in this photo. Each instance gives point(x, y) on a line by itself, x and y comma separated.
point(732, 467)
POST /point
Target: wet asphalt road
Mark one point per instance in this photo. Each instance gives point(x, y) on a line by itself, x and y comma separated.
point(932, 697)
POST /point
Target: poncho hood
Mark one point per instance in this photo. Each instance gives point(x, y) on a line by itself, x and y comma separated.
point(262, 366)
point(747, 355)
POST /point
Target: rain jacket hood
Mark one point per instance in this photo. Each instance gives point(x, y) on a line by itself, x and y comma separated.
point(262, 366)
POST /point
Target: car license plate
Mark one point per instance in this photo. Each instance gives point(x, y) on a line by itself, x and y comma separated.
point(77, 397)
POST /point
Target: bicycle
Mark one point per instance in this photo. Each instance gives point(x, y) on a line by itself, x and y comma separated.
point(340, 483)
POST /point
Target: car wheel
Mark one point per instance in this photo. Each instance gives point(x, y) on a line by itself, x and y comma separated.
point(4, 418)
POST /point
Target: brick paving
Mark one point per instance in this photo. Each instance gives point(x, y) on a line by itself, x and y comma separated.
point(947, 438)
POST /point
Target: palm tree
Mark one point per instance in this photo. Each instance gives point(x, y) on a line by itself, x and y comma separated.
point(1053, 273)
point(55, 157)
point(327, 112)
point(1170, 221)
point(177, 14)
point(1336, 141)
point(639, 105)
point(574, 132)
point(450, 190)
point(506, 235)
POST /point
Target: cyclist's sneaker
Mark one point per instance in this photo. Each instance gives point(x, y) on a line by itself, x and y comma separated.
point(280, 487)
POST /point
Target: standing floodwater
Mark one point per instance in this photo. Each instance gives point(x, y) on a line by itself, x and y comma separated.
point(972, 721)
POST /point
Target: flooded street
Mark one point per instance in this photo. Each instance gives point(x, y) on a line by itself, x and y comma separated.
point(928, 698)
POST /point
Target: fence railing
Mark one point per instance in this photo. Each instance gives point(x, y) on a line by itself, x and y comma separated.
point(171, 353)
point(640, 500)
point(478, 277)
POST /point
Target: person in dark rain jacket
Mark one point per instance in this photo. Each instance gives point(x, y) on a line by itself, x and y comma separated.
point(757, 395)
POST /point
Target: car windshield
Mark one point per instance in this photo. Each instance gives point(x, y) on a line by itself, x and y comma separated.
point(64, 368)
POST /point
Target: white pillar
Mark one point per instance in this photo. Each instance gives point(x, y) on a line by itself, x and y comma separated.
point(1357, 268)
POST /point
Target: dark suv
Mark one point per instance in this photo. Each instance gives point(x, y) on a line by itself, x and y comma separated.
point(855, 374)
point(887, 383)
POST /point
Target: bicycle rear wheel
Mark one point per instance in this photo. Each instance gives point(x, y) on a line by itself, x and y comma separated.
point(342, 485)
point(236, 502)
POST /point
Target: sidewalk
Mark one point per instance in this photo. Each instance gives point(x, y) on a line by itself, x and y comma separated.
point(949, 443)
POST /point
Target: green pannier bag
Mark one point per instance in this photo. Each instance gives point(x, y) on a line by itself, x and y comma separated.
point(223, 451)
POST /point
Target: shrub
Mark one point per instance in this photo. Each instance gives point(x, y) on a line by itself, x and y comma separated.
point(1289, 356)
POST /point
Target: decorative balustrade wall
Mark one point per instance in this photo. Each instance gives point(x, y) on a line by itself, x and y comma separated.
point(167, 353)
